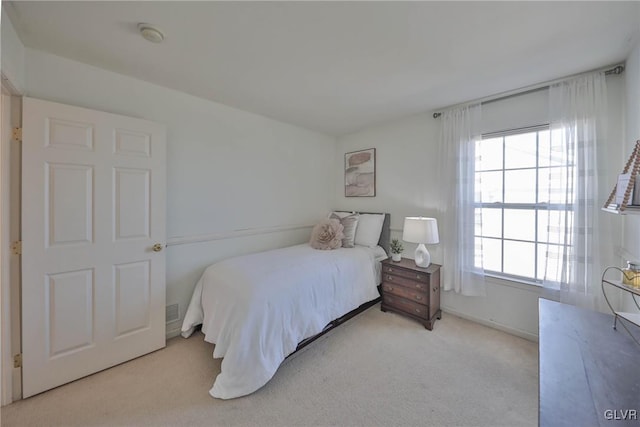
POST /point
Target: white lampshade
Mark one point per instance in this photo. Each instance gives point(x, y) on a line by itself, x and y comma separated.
point(421, 230)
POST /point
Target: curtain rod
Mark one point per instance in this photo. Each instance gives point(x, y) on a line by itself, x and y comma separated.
point(618, 69)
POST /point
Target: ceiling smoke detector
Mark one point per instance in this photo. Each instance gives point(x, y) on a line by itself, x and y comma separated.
point(150, 32)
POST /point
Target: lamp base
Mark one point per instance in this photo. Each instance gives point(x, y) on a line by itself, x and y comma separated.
point(422, 256)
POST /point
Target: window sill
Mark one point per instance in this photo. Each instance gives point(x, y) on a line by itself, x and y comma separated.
point(514, 283)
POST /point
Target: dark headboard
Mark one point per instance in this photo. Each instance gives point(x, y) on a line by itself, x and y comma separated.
point(385, 235)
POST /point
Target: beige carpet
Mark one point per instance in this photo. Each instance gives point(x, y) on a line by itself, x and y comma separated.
point(378, 369)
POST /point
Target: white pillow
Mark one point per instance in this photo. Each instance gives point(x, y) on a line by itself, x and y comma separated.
point(380, 254)
point(369, 229)
point(340, 214)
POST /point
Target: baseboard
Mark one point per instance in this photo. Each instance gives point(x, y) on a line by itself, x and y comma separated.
point(495, 325)
point(172, 333)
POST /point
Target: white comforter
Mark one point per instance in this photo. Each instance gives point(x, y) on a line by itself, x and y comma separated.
point(257, 308)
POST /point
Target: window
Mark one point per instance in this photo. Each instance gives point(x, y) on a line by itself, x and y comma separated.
point(521, 199)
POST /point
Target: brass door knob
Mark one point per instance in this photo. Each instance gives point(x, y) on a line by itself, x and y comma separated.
point(157, 247)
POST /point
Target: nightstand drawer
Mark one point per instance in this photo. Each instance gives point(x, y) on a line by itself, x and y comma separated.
point(413, 275)
point(414, 295)
point(402, 281)
point(406, 306)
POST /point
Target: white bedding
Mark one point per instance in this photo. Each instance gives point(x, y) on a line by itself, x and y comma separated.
point(257, 308)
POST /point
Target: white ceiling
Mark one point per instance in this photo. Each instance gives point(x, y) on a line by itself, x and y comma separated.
point(337, 67)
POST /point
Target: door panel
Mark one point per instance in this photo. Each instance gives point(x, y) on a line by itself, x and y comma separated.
point(132, 297)
point(69, 301)
point(65, 134)
point(131, 207)
point(93, 290)
point(129, 143)
point(69, 204)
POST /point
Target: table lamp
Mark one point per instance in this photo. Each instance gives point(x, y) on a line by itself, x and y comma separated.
point(422, 231)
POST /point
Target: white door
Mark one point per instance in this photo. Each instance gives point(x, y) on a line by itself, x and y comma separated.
point(93, 207)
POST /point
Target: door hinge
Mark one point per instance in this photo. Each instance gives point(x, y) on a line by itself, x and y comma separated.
point(16, 134)
point(16, 247)
point(17, 361)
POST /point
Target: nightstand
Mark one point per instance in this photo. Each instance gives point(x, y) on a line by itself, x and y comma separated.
point(411, 290)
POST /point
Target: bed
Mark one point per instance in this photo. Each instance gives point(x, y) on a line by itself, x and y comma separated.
point(260, 308)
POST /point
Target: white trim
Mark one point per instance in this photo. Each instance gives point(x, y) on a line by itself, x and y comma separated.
point(495, 325)
point(6, 377)
point(514, 283)
point(7, 87)
point(184, 240)
point(5, 307)
point(15, 271)
point(173, 332)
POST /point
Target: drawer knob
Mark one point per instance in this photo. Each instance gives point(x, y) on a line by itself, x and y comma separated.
point(419, 277)
point(418, 297)
point(389, 278)
point(389, 288)
point(419, 286)
point(390, 270)
point(417, 310)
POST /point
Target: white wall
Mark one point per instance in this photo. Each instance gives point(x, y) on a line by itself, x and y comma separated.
point(12, 55)
point(227, 169)
point(406, 159)
point(632, 76)
point(407, 184)
point(631, 223)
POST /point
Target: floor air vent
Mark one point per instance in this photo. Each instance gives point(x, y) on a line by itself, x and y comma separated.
point(173, 313)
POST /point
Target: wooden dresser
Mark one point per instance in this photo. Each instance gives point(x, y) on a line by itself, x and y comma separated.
point(411, 290)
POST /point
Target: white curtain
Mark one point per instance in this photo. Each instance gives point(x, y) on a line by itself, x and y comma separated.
point(576, 252)
point(461, 221)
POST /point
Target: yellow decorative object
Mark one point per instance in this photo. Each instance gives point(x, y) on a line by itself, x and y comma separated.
point(631, 275)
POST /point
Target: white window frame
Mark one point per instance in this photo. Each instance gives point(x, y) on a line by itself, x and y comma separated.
point(537, 207)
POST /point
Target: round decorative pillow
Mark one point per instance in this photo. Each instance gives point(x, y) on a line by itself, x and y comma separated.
point(327, 234)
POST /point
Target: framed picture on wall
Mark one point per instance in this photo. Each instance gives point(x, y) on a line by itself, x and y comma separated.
point(360, 173)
